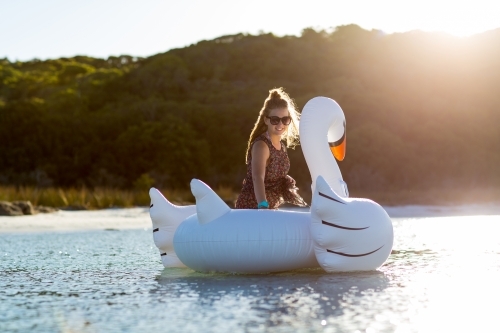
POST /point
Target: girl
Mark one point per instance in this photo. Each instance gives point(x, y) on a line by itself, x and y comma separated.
point(267, 184)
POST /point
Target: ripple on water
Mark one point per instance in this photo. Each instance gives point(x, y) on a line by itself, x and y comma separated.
point(440, 277)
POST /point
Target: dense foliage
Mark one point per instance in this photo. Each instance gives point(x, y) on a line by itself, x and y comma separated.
point(422, 110)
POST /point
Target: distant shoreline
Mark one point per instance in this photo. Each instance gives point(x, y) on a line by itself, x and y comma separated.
point(138, 218)
point(104, 198)
point(69, 221)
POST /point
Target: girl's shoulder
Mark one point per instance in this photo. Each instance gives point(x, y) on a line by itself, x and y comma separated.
point(260, 142)
point(262, 138)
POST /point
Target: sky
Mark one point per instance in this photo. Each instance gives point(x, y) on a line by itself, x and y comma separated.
point(48, 29)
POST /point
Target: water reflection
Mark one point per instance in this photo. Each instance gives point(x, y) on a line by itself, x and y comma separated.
point(300, 299)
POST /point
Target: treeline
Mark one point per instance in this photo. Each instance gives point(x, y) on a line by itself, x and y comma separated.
point(422, 110)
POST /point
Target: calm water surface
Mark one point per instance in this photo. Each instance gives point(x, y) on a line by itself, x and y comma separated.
point(443, 276)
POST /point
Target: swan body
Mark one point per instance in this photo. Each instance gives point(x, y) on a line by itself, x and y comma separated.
point(338, 233)
point(209, 236)
point(243, 240)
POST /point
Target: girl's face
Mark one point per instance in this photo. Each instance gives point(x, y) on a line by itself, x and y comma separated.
point(279, 128)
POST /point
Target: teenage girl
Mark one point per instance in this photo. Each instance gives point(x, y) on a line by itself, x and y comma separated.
point(267, 183)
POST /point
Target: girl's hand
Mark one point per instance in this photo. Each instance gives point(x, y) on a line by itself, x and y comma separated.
point(263, 205)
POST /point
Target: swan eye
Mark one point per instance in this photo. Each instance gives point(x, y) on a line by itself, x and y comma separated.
point(338, 147)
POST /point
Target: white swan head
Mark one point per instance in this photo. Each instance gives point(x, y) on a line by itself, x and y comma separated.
point(350, 234)
point(323, 138)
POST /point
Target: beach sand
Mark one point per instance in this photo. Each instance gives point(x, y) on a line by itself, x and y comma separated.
point(126, 218)
point(138, 218)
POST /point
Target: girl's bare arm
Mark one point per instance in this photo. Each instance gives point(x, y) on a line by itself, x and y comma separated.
point(260, 155)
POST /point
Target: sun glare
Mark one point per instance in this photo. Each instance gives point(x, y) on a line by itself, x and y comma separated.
point(459, 18)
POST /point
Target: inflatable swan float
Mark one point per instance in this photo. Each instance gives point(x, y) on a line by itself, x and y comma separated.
point(338, 234)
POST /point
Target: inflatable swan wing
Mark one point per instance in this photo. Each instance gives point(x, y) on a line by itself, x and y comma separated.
point(349, 234)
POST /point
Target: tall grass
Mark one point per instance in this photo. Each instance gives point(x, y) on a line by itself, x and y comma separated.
point(99, 198)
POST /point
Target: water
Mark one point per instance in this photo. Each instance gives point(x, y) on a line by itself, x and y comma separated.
point(443, 276)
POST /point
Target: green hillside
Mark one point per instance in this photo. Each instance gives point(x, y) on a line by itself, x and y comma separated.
point(422, 110)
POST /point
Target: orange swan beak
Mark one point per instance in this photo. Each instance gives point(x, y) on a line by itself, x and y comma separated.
point(338, 147)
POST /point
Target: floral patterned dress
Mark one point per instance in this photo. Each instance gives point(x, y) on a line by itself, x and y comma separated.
point(279, 186)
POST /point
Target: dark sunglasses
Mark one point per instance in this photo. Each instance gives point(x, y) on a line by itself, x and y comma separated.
point(276, 120)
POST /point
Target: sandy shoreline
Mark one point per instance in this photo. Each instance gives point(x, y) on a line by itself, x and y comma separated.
point(127, 218)
point(138, 218)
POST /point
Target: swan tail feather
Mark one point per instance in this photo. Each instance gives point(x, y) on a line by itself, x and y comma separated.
point(166, 217)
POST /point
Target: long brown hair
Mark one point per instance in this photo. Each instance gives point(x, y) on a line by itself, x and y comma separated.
point(277, 99)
